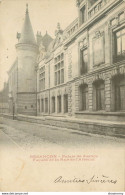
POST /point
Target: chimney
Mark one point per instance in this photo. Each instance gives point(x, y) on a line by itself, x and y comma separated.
point(38, 37)
point(18, 36)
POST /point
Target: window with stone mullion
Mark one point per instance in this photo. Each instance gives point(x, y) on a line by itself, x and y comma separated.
point(42, 78)
point(59, 69)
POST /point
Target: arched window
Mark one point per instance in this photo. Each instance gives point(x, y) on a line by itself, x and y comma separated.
point(83, 97)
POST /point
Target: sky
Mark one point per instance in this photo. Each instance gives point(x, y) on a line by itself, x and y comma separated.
point(44, 16)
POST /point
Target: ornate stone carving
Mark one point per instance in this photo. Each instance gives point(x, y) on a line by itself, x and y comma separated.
point(122, 70)
point(98, 76)
point(98, 34)
point(83, 43)
point(81, 82)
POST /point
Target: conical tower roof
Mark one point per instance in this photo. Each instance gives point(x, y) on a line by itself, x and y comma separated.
point(27, 35)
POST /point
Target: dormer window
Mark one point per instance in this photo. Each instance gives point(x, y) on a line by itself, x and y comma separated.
point(92, 2)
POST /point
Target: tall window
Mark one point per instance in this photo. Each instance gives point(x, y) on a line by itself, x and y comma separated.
point(53, 104)
point(100, 95)
point(59, 107)
point(120, 45)
point(42, 78)
point(42, 105)
point(59, 69)
point(120, 93)
point(83, 97)
point(83, 15)
point(46, 105)
point(65, 103)
point(98, 49)
point(84, 61)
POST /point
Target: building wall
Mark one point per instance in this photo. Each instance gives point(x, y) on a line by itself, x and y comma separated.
point(4, 106)
point(12, 93)
point(26, 68)
point(26, 103)
point(102, 71)
point(26, 90)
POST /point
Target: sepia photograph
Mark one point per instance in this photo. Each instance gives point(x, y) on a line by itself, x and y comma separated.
point(62, 95)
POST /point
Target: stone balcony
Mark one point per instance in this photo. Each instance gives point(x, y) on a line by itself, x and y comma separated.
point(98, 7)
point(71, 28)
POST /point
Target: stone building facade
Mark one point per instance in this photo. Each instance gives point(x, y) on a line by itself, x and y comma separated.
point(82, 73)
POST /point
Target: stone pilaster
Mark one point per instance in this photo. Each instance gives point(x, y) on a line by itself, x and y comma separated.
point(62, 103)
point(108, 94)
point(90, 96)
point(70, 99)
point(69, 65)
point(77, 96)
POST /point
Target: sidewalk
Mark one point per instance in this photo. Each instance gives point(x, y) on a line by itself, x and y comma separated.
point(101, 127)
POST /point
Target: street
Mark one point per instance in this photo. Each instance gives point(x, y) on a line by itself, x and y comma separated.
point(32, 156)
point(28, 135)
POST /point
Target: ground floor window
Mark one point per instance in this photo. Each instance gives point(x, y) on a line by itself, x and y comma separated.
point(38, 101)
point(53, 104)
point(42, 105)
point(65, 103)
point(59, 107)
point(83, 97)
point(100, 95)
point(46, 105)
point(120, 93)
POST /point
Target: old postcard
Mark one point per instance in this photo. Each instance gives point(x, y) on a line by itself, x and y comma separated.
point(62, 95)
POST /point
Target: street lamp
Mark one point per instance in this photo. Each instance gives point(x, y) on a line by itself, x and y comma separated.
point(13, 105)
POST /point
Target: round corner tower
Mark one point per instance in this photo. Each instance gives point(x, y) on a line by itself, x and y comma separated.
point(27, 50)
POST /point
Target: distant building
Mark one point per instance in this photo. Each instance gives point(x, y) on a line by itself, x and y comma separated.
point(4, 99)
point(81, 72)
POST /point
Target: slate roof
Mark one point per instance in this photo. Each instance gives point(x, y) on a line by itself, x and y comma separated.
point(46, 40)
point(27, 35)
